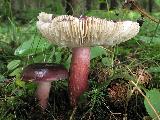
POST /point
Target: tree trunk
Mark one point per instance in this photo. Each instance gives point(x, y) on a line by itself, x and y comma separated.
point(88, 4)
point(103, 6)
point(150, 5)
point(114, 4)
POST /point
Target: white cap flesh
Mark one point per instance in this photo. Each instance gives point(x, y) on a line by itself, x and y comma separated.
point(85, 31)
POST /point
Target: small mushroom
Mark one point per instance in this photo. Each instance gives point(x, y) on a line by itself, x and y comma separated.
point(43, 74)
point(80, 34)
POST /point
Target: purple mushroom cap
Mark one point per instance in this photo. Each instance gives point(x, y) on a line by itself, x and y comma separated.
point(44, 72)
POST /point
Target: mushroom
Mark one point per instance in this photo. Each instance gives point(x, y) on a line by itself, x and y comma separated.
point(43, 74)
point(80, 34)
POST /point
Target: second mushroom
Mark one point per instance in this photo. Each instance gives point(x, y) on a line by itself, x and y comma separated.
point(80, 34)
point(43, 74)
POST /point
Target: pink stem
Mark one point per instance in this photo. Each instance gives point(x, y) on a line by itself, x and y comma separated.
point(79, 70)
point(42, 94)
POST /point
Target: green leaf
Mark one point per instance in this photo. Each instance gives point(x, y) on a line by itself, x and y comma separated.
point(50, 58)
point(114, 14)
point(157, 2)
point(102, 14)
point(107, 61)
point(2, 78)
point(154, 40)
point(31, 47)
point(133, 15)
point(154, 98)
point(154, 69)
point(19, 92)
point(16, 72)
point(31, 86)
point(58, 56)
point(97, 51)
point(20, 83)
point(67, 62)
point(13, 64)
point(41, 58)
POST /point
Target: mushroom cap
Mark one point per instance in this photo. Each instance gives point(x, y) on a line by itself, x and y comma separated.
point(66, 30)
point(44, 72)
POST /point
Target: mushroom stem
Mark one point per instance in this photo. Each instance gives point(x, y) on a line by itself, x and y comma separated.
point(79, 70)
point(42, 93)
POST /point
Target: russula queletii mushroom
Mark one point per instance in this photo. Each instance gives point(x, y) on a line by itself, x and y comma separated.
point(80, 34)
point(43, 74)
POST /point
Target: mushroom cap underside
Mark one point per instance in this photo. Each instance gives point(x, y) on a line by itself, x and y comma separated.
point(44, 72)
point(66, 30)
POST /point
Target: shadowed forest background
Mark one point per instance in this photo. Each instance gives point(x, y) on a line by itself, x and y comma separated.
point(124, 80)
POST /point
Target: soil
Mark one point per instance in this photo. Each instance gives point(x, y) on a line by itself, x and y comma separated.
point(59, 109)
